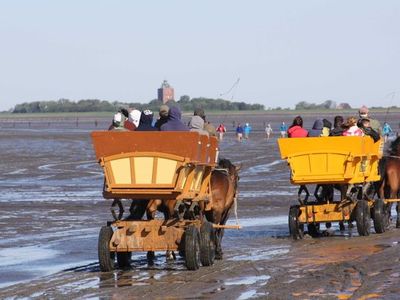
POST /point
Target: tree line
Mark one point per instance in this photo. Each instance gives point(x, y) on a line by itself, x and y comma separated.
point(96, 105)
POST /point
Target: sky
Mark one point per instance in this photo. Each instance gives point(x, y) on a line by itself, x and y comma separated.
point(283, 51)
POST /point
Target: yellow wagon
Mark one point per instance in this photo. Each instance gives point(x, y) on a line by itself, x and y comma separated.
point(168, 166)
point(350, 163)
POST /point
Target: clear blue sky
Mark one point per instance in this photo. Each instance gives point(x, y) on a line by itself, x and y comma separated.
point(283, 51)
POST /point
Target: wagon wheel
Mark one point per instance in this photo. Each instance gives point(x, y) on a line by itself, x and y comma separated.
point(106, 258)
point(207, 244)
point(362, 217)
point(296, 229)
point(124, 260)
point(380, 216)
point(192, 248)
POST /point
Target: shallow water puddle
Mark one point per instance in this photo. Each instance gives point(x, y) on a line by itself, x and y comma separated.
point(90, 283)
point(264, 221)
point(264, 168)
point(23, 255)
point(248, 280)
point(259, 194)
point(262, 254)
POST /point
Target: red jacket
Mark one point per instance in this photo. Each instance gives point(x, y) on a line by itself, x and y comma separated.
point(297, 131)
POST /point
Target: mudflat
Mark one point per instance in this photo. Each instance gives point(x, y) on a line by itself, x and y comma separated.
point(52, 209)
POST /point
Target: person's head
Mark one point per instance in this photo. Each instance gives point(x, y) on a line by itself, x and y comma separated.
point(363, 112)
point(351, 121)
point(134, 117)
point(174, 113)
point(365, 123)
point(338, 121)
point(124, 112)
point(117, 120)
point(326, 123)
point(196, 122)
point(298, 121)
point(163, 112)
point(198, 111)
point(146, 117)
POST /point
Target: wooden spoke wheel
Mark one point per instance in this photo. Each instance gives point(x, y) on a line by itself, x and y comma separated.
point(380, 216)
point(106, 258)
point(207, 244)
point(296, 229)
point(192, 248)
point(363, 217)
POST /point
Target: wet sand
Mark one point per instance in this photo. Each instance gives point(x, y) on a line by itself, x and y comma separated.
point(52, 210)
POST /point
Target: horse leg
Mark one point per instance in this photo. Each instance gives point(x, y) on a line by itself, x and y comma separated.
point(151, 209)
point(221, 231)
point(218, 250)
point(168, 214)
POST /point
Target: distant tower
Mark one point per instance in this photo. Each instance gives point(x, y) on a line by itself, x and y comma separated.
point(165, 92)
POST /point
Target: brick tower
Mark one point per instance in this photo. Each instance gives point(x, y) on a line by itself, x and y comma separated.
point(165, 92)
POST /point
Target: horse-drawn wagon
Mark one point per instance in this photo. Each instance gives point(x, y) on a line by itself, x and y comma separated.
point(170, 167)
point(349, 164)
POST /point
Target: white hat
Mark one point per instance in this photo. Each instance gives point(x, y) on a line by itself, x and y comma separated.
point(118, 117)
point(134, 117)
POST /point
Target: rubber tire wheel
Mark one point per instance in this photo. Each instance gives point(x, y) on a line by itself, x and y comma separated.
point(124, 259)
point(381, 218)
point(313, 229)
point(362, 217)
point(192, 248)
point(207, 244)
point(106, 258)
point(295, 228)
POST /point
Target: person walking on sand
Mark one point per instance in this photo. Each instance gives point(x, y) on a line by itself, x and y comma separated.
point(386, 130)
point(268, 131)
point(221, 131)
point(283, 130)
point(247, 129)
point(239, 132)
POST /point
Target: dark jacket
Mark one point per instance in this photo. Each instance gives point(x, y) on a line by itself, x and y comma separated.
point(317, 128)
point(161, 121)
point(372, 133)
point(338, 131)
point(145, 123)
point(174, 122)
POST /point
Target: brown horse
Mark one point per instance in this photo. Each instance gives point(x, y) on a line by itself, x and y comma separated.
point(224, 183)
point(390, 184)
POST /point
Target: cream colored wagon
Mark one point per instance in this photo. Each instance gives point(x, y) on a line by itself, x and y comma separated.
point(167, 166)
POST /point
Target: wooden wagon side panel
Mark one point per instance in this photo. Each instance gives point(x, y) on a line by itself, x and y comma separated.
point(107, 143)
point(331, 159)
